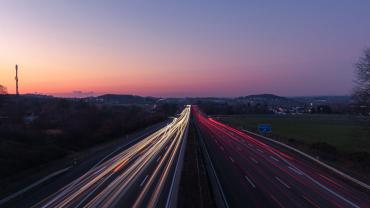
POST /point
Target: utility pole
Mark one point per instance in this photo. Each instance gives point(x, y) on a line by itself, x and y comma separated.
point(16, 79)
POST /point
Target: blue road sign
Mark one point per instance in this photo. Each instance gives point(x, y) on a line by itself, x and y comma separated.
point(264, 128)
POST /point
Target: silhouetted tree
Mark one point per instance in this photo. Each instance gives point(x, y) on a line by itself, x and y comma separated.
point(3, 90)
point(362, 88)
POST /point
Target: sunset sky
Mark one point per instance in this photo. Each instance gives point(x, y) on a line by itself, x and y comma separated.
point(183, 48)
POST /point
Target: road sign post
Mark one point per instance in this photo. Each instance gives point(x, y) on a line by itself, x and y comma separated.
point(264, 128)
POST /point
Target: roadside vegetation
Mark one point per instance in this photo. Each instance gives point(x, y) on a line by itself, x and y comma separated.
point(345, 133)
point(38, 130)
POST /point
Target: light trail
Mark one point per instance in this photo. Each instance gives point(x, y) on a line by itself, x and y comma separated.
point(279, 180)
point(137, 176)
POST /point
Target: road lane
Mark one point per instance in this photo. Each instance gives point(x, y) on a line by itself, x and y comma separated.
point(136, 177)
point(255, 174)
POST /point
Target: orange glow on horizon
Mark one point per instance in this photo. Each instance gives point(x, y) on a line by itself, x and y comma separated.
point(206, 49)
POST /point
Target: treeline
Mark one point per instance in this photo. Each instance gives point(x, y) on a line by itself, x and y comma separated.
point(233, 108)
point(34, 131)
point(211, 108)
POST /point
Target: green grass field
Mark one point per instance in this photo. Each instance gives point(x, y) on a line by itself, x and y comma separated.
point(346, 134)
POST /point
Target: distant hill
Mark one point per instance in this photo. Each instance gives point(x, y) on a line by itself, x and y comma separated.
point(33, 95)
point(264, 96)
point(265, 99)
point(124, 99)
point(195, 100)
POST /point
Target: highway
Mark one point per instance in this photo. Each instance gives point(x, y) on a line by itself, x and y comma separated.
point(140, 176)
point(254, 174)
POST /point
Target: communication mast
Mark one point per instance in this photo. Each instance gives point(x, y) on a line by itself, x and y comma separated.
point(16, 79)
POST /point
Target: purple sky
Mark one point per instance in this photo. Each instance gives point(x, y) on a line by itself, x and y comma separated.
point(184, 48)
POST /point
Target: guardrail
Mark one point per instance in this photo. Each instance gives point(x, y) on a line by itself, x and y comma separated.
point(350, 178)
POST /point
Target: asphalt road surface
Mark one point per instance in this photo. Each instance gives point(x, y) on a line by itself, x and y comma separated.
point(140, 176)
point(254, 174)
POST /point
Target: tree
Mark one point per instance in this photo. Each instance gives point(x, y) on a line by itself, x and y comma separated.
point(3, 90)
point(362, 88)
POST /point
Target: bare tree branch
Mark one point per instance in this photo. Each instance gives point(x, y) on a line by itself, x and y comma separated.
point(362, 83)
